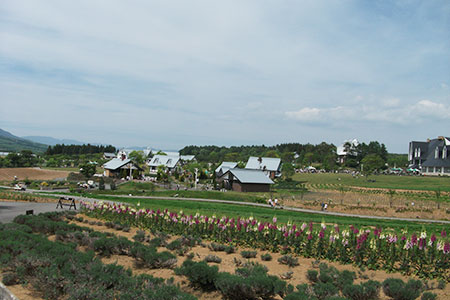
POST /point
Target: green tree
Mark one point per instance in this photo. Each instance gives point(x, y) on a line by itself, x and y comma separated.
point(308, 159)
point(138, 157)
point(287, 171)
point(88, 170)
point(371, 163)
point(101, 184)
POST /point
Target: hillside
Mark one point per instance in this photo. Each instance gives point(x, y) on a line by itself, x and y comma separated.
point(47, 140)
point(12, 143)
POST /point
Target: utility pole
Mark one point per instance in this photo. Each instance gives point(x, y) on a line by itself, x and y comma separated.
point(196, 172)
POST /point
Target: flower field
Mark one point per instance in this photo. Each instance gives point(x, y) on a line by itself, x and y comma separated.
point(425, 254)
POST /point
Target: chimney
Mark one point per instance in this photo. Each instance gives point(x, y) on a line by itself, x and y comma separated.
point(440, 138)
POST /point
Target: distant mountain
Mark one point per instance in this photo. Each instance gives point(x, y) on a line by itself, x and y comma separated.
point(12, 143)
point(52, 141)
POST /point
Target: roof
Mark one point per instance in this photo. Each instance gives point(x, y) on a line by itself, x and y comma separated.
point(164, 160)
point(226, 165)
point(250, 176)
point(187, 157)
point(267, 163)
point(116, 163)
point(431, 160)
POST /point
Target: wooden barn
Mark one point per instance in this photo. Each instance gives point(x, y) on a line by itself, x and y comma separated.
point(243, 180)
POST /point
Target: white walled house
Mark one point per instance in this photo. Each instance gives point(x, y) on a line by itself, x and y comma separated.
point(431, 157)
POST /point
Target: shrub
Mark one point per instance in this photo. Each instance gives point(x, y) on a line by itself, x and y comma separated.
point(288, 260)
point(229, 249)
point(156, 242)
point(248, 254)
point(324, 290)
point(365, 291)
point(251, 269)
point(213, 258)
point(398, 290)
point(312, 276)
point(441, 284)
point(199, 273)
point(150, 258)
point(266, 257)
point(428, 296)
point(139, 236)
point(217, 247)
point(345, 278)
point(175, 245)
point(252, 287)
point(10, 279)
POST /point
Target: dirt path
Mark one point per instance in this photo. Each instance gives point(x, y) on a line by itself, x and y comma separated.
point(7, 174)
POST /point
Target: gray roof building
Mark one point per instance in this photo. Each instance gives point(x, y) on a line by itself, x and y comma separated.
point(270, 165)
point(164, 160)
point(249, 176)
point(225, 166)
point(432, 156)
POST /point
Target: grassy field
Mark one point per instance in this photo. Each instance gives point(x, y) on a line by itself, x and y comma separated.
point(381, 181)
point(149, 189)
point(266, 214)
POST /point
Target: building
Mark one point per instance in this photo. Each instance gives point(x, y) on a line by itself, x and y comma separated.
point(269, 165)
point(109, 155)
point(225, 166)
point(169, 162)
point(245, 180)
point(431, 157)
point(121, 168)
point(348, 148)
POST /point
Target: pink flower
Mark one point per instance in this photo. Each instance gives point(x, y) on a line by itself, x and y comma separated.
point(447, 248)
point(443, 233)
point(274, 220)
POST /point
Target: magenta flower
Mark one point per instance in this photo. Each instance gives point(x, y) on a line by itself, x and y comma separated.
point(443, 233)
point(447, 248)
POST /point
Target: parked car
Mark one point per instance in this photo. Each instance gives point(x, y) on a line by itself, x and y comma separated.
point(20, 187)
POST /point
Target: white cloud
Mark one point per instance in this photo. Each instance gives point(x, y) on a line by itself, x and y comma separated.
point(389, 112)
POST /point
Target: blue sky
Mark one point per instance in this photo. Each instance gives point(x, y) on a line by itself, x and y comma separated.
point(172, 73)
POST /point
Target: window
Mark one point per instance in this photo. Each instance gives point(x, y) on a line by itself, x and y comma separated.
point(444, 152)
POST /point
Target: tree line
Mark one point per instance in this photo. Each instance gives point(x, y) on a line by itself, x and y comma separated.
point(79, 149)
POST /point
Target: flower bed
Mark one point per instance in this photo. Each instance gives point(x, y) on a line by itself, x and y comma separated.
point(423, 254)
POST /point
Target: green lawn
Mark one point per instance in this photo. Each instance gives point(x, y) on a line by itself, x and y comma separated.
point(381, 181)
point(149, 189)
point(267, 214)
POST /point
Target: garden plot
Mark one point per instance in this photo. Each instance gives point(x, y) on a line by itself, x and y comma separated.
point(268, 275)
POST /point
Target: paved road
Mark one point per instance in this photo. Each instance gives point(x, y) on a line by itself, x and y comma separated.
point(9, 210)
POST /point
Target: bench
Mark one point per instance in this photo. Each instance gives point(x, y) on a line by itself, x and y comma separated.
point(64, 201)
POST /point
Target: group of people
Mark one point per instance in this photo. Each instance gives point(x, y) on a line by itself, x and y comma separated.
point(324, 206)
point(273, 203)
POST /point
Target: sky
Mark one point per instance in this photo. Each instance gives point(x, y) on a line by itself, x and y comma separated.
point(167, 74)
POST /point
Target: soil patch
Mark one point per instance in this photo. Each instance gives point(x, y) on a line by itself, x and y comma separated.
point(7, 174)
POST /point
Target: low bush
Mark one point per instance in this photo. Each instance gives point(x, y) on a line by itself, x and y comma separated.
point(253, 287)
point(199, 274)
point(312, 276)
point(213, 258)
point(324, 290)
point(365, 291)
point(10, 279)
point(150, 258)
point(175, 245)
point(248, 254)
point(217, 247)
point(230, 249)
point(428, 296)
point(398, 290)
point(266, 257)
point(288, 260)
point(139, 236)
